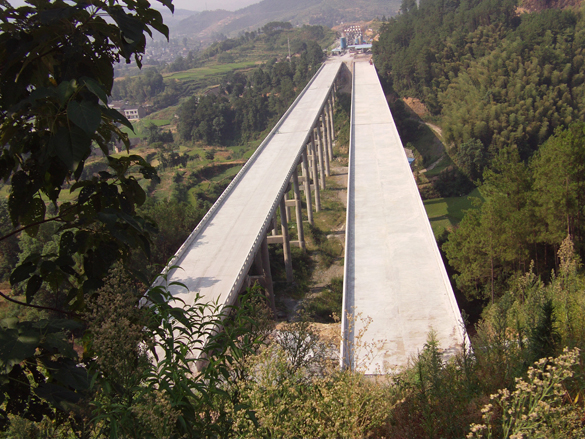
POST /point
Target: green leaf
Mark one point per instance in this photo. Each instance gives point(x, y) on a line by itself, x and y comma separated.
point(73, 293)
point(132, 28)
point(33, 257)
point(139, 275)
point(168, 4)
point(73, 376)
point(156, 297)
point(66, 212)
point(138, 193)
point(22, 272)
point(64, 92)
point(33, 285)
point(57, 342)
point(116, 116)
point(57, 325)
point(16, 345)
point(86, 115)
point(35, 213)
point(71, 146)
point(9, 323)
point(56, 394)
point(47, 267)
point(67, 244)
point(96, 88)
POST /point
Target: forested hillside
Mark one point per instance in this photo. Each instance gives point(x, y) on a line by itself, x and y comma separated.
point(492, 74)
point(500, 82)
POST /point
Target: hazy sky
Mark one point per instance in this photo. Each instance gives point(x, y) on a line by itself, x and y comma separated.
point(193, 5)
point(201, 5)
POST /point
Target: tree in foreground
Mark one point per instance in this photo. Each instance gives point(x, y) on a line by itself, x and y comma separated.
point(56, 75)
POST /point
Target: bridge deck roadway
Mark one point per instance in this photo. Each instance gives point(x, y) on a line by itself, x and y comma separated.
point(217, 255)
point(394, 272)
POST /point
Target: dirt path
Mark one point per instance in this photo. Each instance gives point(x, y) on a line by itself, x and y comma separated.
point(436, 129)
point(433, 165)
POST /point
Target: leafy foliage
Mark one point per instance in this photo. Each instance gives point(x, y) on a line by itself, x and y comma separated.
point(494, 76)
point(242, 106)
point(56, 73)
point(528, 211)
point(54, 109)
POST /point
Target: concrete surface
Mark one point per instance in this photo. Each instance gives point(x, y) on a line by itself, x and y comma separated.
point(216, 257)
point(394, 274)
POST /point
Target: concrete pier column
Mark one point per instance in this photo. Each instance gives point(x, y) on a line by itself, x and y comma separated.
point(327, 132)
point(265, 258)
point(287, 208)
point(298, 211)
point(274, 224)
point(310, 159)
point(315, 176)
point(331, 104)
point(320, 157)
point(286, 242)
point(305, 166)
point(323, 147)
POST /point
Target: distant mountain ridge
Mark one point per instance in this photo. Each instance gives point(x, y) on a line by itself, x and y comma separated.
point(315, 12)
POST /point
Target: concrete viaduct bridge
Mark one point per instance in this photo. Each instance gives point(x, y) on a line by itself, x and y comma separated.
point(393, 272)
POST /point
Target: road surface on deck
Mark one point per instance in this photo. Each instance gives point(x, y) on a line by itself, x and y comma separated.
point(394, 273)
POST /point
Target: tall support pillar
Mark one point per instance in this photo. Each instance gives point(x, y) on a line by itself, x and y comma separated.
point(287, 208)
point(265, 260)
point(285, 242)
point(298, 211)
point(327, 131)
point(315, 176)
point(331, 118)
point(320, 157)
point(323, 147)
point(274, 224)
point(310, 158)
point(305, 166)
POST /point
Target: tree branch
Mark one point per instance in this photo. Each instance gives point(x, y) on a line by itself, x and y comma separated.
point(38, 223)
point(18, 302)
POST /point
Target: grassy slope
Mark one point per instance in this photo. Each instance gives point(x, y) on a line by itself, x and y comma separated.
point(444, 213)
point(202, 73)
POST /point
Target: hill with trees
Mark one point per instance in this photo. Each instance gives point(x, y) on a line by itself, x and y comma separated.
point(322, 12)
point(501, 83)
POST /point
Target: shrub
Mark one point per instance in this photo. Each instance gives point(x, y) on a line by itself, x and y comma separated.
point(539, 406)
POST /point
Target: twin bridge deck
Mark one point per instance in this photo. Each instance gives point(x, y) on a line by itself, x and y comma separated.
point(395, 283)
point(231, 239)
point(393, 274)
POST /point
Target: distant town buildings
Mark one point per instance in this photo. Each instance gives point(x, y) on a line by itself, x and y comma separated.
point(132, 112)
point(354, 39)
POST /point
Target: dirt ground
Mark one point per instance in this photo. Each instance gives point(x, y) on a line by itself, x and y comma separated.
point(416, 106)
point(321, 278)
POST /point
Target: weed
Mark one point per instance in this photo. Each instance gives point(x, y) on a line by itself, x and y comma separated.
point(327, 304)
point(329, 251)
point(538, 406)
